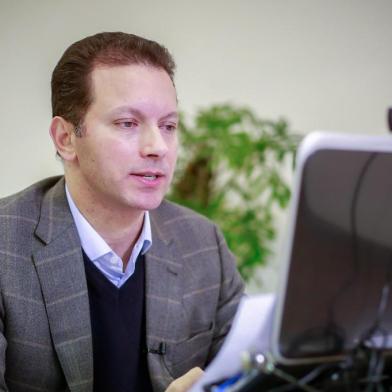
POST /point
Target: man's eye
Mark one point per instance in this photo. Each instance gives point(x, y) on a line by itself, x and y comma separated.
point(169, 127)
point(126, 124)
point(129, 124)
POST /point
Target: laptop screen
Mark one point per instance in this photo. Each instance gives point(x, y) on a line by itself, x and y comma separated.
point(337, 289)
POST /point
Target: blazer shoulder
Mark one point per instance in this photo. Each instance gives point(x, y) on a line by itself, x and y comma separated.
point(169, 212)
point(188, 228)
point(27, 203)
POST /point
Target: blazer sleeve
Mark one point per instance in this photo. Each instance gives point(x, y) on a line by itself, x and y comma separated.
point(231, 292)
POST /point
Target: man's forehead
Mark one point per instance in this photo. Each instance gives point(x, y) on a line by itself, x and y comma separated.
point(122, 77)
point(120, 92)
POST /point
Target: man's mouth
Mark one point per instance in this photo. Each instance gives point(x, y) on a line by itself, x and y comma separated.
point(150, 177)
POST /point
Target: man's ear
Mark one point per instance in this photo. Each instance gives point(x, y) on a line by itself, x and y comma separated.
point(62, 134)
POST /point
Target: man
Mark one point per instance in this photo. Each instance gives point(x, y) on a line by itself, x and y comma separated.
point(103, 285)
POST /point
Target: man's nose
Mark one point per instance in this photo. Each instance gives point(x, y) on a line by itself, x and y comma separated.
point(152, 143)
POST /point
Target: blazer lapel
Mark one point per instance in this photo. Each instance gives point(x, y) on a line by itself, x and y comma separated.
point(163, 291)
point(59, 264)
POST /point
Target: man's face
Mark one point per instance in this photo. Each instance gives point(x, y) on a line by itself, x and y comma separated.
point(127, 154)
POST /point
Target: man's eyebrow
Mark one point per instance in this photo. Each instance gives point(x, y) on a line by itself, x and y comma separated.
point(169, 115)
point(126, 110)
point(136, 112)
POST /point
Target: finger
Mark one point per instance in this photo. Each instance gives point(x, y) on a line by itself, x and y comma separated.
point(183, 383)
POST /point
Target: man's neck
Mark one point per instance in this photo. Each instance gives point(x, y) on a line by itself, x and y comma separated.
point(119, 227)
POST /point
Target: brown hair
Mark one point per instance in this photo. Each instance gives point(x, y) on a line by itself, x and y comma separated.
point(71, 78)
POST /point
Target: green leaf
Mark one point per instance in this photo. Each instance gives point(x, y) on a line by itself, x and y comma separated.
point(230, 169)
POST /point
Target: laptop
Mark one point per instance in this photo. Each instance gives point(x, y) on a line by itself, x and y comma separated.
point(335, 293)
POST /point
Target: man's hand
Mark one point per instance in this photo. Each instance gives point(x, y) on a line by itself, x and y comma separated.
point(183, 383)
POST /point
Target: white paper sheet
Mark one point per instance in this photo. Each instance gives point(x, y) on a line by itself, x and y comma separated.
point(250, 332)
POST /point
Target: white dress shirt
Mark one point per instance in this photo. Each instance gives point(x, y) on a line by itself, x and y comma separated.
point(100, 253)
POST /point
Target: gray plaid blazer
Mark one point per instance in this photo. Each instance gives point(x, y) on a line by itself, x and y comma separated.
point(192, 292)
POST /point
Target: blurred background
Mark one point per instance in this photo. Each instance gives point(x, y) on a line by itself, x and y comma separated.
point(324, 65)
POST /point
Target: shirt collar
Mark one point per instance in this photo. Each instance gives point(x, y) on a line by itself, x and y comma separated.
point(92, 243)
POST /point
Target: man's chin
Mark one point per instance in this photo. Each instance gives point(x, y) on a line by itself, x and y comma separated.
point(148, 205)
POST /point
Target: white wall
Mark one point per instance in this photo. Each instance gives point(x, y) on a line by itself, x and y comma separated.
point(321, 64)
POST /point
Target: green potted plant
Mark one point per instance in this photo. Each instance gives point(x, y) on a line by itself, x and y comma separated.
point(231, 170)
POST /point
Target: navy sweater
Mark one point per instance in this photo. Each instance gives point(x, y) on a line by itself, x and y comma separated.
point(118, 331)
